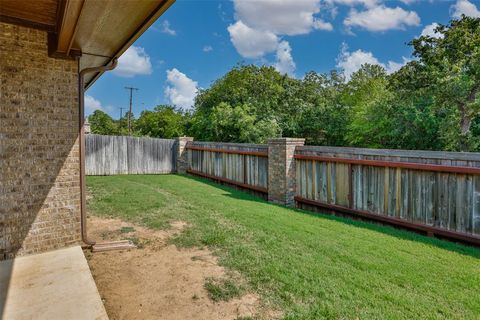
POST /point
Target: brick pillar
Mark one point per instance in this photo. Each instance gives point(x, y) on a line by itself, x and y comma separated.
point(182, 154)
point(281, 170)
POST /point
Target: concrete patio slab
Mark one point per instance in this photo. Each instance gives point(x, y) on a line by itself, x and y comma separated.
point(52, 285)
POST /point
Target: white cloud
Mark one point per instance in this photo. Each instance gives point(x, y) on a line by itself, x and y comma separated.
point(134, 61)
point(407, 2)
point(430, 31)
point(289, 17)
point(393, 66)
point(252, 43)
point(167, 29)
point(207, 48)
point(91, 104)
point(319, 24)
point(465, 7)
point(382, 18)
point(181, 90)
point(284, 63)
point(260, 23)
point(351, 3)
point(350, 62)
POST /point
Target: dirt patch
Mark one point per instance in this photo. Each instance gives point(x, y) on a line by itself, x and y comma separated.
point(159, 281)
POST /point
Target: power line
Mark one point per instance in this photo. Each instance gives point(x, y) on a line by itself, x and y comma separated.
point(130, 112)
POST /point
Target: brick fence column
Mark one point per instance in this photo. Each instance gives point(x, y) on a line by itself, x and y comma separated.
point(182, 154)
point(281, 170)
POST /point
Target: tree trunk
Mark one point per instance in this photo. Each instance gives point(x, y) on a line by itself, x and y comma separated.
point(465, 124)
point(466, 118)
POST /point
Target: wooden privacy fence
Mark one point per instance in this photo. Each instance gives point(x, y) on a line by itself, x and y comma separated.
point(436, 192)
point(244, 165)
point(110, 155)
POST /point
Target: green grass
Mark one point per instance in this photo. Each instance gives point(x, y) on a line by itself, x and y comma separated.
point(127, 229)
point(308, 266)
point(222, 290)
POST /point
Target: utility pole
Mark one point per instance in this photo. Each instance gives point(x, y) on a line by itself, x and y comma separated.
point(121, 113)
point(130, 112)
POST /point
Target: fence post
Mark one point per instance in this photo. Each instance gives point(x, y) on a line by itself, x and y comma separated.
point(182, 154)
point(281, 170)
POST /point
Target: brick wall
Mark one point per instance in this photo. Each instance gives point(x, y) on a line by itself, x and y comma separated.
point(39, 156)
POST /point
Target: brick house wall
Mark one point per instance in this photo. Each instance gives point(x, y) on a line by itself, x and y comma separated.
point(39, 153)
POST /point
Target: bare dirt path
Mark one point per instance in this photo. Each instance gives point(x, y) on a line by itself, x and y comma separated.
point(158, 280)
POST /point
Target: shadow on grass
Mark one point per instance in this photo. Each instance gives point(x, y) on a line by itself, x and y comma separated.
point(235, 193)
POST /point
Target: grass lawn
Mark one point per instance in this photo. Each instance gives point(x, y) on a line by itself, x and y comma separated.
point(309, 266)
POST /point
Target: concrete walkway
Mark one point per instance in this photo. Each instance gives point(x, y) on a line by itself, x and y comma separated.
point(52, 285)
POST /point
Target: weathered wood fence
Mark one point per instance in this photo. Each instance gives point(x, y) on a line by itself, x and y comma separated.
point(110, 155)
point(437, 193)
point(245, 165)
point(410, 188)
point(433, 192)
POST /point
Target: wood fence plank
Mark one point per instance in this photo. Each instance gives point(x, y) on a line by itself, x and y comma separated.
point(440, 189)
point(243, 163)
point(110, 155)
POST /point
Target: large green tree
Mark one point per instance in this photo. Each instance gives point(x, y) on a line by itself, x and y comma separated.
point(163, 122)
point(414, 116)
point(368, 99)
point(274, 103)
point(448, 68)
point(102, 123)
point(260, 87)
point(383, 117)
point(247, 96)
point(236, 124)
point(320, 114)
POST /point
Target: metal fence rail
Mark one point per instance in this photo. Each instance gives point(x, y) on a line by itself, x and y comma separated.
point(245, 165)
point(111, 155)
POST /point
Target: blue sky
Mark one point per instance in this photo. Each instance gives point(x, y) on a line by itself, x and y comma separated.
point(196, 42)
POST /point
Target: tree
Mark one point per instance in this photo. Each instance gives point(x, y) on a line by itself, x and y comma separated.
point(102, 123)
point(307, 108)
point(123, 124)
point(415, 118)
point(163, 122)
point(256, 90)
point(236, 124)
point(369, 102)
point(321, 116)
point(449, 69)
point(260, 87)
point(433, 102)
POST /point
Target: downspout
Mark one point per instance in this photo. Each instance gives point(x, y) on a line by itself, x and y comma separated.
point(81, 118)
